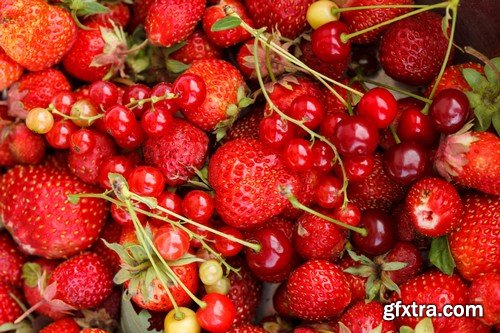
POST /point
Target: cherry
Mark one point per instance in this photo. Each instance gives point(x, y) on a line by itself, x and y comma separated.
point(82, 141)
point(379, 105)
point(170, 201)
point(172, 243)
point(146, 181)
point(156, 121)
point(322, 157)
point(449, 111)
point(320, 13)
point(405, 162)
point(122, 165)
point(327, 44)
point(357, 168)
point(198, 206)
point(190, 90)
point(63, 102)
point(355, 136)
point(134, 139)
point(104, 94)
point(122, 216)
point(349, 214)
point(218, 315)
point(82, 109)
point(137, 92)
point(275, 254)
point(415, 126)
point(226, 247)
point(163, 89)
point(381, 235)
point(328, 194)
point(308, 109)
point(60, 133)
point(329, 124)
point(274, 131)
point(297, 155)
point(119, 121)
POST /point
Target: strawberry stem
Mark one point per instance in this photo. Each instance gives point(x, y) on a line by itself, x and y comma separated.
point(399, 90)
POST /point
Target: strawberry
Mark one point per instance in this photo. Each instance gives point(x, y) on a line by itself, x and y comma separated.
point(434, 288)
point(287, 16)
point(10, 71)
point(475, 246)
point(453, 79)
point(356, 283)
point(93, 330)
point(332, 70)
point(248, 180)
point(404, 226)
point(83, 281)
point(36, 198)
point(225, 90)
point(309, 180)
point(197, 47)
point(464, 325)
point(6, 157)
point(35, 34)
point(171, 21)
point(35, 90)
point(281, 302)
point(472, 159)
point(247, 329)
point(364, 317)
point(119, 13)
point(177, 153)
point(277, 223)
point(318, 290)
point(64, 325)
point(434, 207)
point(361, 19)
point(110, 233)
point(9, 309)
point(413, 49)
point(246, 127)
point(485, 290)
point(406, 253)
point(11, 260)
point(25, 146)
point(140, 11)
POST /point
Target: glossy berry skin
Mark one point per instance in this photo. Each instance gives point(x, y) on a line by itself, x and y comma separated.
point(170, 201)
point(119, 121)
point(82, 109)
point(104, 94)
point(381, 235)
point(156, 121)
point(328, 193)
point(322, 157)
point(379, 105)
point(82, 141)
point(122, 165)
point(190, 90)
point(357, 168)
point(137, 92)
point(449, 111)
point(171, 243)
point(63, 102)
point(297, 155)
point(218, 315)
point(485, 290)
point(198, 206)
point(329, 124)
point(405, 162)
point(60, 134)
point(409, 254)
point(308, 109)
point(349, 214)
point(122, 216)
point(225, 246)
point(415, 126)
point(356, 136)
point(274, 131)
point(327, 45)
point(146, 181)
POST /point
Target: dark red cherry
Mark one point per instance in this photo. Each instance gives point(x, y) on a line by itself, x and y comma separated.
point(415, 126)
point(104, 94)
point(449, 111)
point(327, 45)
point(190, 90)
point(379, 105)
point(274, 131)
point(329, 124)
point(405, 162)
point(381, 235)
point(297, 155)
point(356, 136)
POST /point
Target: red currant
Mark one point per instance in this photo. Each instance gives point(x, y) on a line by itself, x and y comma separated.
point(379, 105)
point(198, 205)
point(134, 139)
point(328, 194)
point(122, 216)
point(82, 141)
point(226, 247)
point(322, 157)
point(83, 109)
point(156, 121)
point(119, 121)
point(122, 165)
point(134, 93)
point(163, 89)
point(308, 109)
point(146, 181)
point(104, 94)
point(274, 131)
point(357, 168)
point(298, 155)
point(355, 136)
point(349, 214)
point(190, 90)
point(170, 201)
point(60, 133)
point(63, 102)
point(327, 44)
point(172, 243)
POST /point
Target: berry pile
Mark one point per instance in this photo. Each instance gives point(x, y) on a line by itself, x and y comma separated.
point(162, 162)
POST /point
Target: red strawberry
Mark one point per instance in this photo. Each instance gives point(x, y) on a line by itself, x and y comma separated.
point(406, 253)
point(226, 37)
point(171, 21)
point(119, 13)
point(276, 223)
point(246, 127)
point(36, 198)
point(9, 309)
point(65, 325)
point(34, 34)
point(318, 290)
point(25, 146)
point(333, 104)
point(332, 70)
point(356, 283)
point(247, 329)
point(93, 330)
point(315, 238)
point(472, 159)
point(281, 302)
point(177, 153)
point(110, 233)
point(453, 79)
point(11, 260)
point(6, 157)
point(248, 181)
point(464, 325)
point(287, 16)
point(225, 89)
point(361, 19)
point(35, 90)
point(363, 317)
point(434, 207)
point(197, 47)
point(83, 281)
point(10, 71)
point(485, 290)
point(412, 50)
point(140, 12)
point(309, 180)
point(475, 246)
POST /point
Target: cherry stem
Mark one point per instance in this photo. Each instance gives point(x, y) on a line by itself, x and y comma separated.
point(296, 204)
point(345, 37)
point(399, 90)
point(394, 134)
point(154, 99)
point(336, 11)
point(470, 50)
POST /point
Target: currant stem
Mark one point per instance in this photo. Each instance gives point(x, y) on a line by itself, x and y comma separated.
point(394, 134)
point(153, 100)
point(399, 90)
point(336, 11)
point(88, 119)
point(268, 60)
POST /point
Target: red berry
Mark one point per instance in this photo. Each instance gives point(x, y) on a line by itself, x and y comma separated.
point(104, 94)
point(357, 168)
point(322, 157)
point(355, 136)
point(381, 235)
point(218, 315)
point(349, 214)
point(297, 155)
point(82, 141)
point(308, 109)
point(63, 102)
point(274, 131)
point(59, 135)
point(172, 243)
point(170, 201)
point(226, 247)
point(163, 89)
point(198, 206)
point(119, 121)
point(379, 105)
point(449, 111)
point(156, 121)
point(122, 216)
point(190, 90)
point(146, 181)
point(136, 92)
point(122, 165)
point(408, 254)
point(327, 44)
point(415, 126)
point(329, 124)
point(405, 162)
point(328, 194)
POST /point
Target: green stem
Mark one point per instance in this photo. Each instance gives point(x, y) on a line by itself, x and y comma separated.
point(336, 11)
point(153, 99)
point(268, 60)
point(394, 134)
point(399, 90)
point(88, 119)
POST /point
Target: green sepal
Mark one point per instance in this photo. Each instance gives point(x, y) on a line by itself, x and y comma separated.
point(490, 73)
point(393, 266)
point(131, 321)
point(31, 273)
point(228, 22)
point(343, 328)
point(424, 326)
point(440, 255)
point(176, 67)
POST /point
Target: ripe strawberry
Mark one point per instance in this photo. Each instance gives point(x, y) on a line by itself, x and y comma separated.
point(464, 325)
point(177, 153)
point(309, 180)
point(485, 290)
point(11, 260)
point(289, 17)
point(247, 329)
point(276, 223)
point(10, 71)
point(140, 11)
point(83, 281)
point(34, 34)
point(408, 254)
point(472, 159)
point(248, 181)
point(171, 21)
point(361, 19)
point(35, 90)
point(412, 50)
point(64, 325)
point(475, 246)
point(434, 207)
point(246, 127)
point(111, 233)
point(281, 301)
point(364, 317)
point(356, 283)
point(318, 290)
point(333, 104)
point(197, 47)
point(332, 70)
point(35, 198)
point(453, 79)
point(119, 13)
point(434, 288)
point(6, 157)
point(9, 309)
point(225, 88)
point(25, 146)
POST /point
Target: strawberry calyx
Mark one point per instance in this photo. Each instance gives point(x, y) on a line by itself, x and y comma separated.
point(83, 8)
point(423, 326)
point(15, 106)
point(232, 113)
point(345, 329)
point(99, 318)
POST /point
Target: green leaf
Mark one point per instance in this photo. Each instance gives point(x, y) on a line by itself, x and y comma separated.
point(406, 329)
point(131, 322)
point(424, 326)
point(343, 328)
point(244, 102)
point(473, 78)
point(483, 117)
point(496, 121)
point(91, 8)
point(176, 67)
point(31, 272)
point(490, 73)
point(225, 23)
point(440, 255)
point(393, 266)
point(169, 50)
